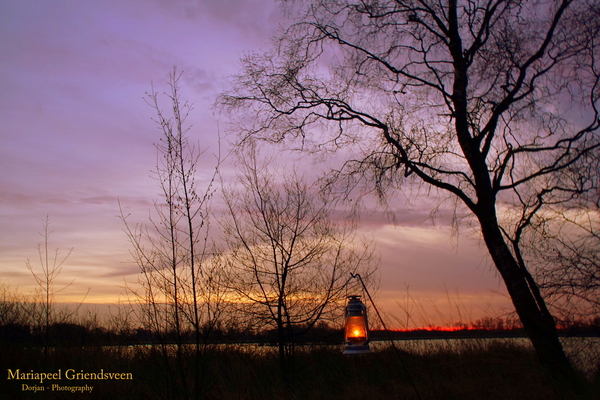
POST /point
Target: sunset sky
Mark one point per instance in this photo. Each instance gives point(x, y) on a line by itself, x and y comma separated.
point(77, 138)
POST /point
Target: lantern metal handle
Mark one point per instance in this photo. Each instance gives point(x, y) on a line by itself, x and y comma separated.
point(355, 276)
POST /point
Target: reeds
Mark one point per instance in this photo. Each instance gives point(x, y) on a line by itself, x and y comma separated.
point(468, 369)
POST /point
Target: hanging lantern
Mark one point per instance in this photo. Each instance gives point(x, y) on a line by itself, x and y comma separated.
point(357, 327)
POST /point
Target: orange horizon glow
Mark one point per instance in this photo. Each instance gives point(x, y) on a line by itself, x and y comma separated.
point(438, 329)
point(448, 328)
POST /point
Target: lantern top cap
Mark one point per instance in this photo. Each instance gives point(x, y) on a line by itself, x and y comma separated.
point(354, 297)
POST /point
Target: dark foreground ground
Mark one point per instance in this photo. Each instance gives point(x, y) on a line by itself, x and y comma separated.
point(478, 370)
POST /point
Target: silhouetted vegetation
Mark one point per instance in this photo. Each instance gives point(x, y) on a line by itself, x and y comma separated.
point(472, 369)
point(73, 334)
point(468, 101)
point(241, 363)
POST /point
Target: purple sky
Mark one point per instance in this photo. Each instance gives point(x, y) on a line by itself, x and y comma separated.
point(77, 136)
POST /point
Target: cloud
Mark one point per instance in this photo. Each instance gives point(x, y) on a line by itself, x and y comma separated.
point(256, 18)
point(77, 136)
point(100, 200)
point(431, 260)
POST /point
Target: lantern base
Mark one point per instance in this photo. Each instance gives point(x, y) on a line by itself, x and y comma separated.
point(357, 349)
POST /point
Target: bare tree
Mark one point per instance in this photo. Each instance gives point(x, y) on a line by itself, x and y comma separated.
point(289, 262)
point(43, 310)
point(563, 249)
point(489, 102)
point(178, 282)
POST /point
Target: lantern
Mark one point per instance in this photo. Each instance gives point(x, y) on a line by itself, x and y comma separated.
point(357, 327)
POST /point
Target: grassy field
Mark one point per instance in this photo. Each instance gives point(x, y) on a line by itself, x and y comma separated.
point(474, 369)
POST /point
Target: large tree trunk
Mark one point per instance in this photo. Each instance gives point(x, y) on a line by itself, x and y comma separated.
point(538, 323)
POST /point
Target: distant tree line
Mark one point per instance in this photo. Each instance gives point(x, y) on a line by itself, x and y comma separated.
point(81, 331)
